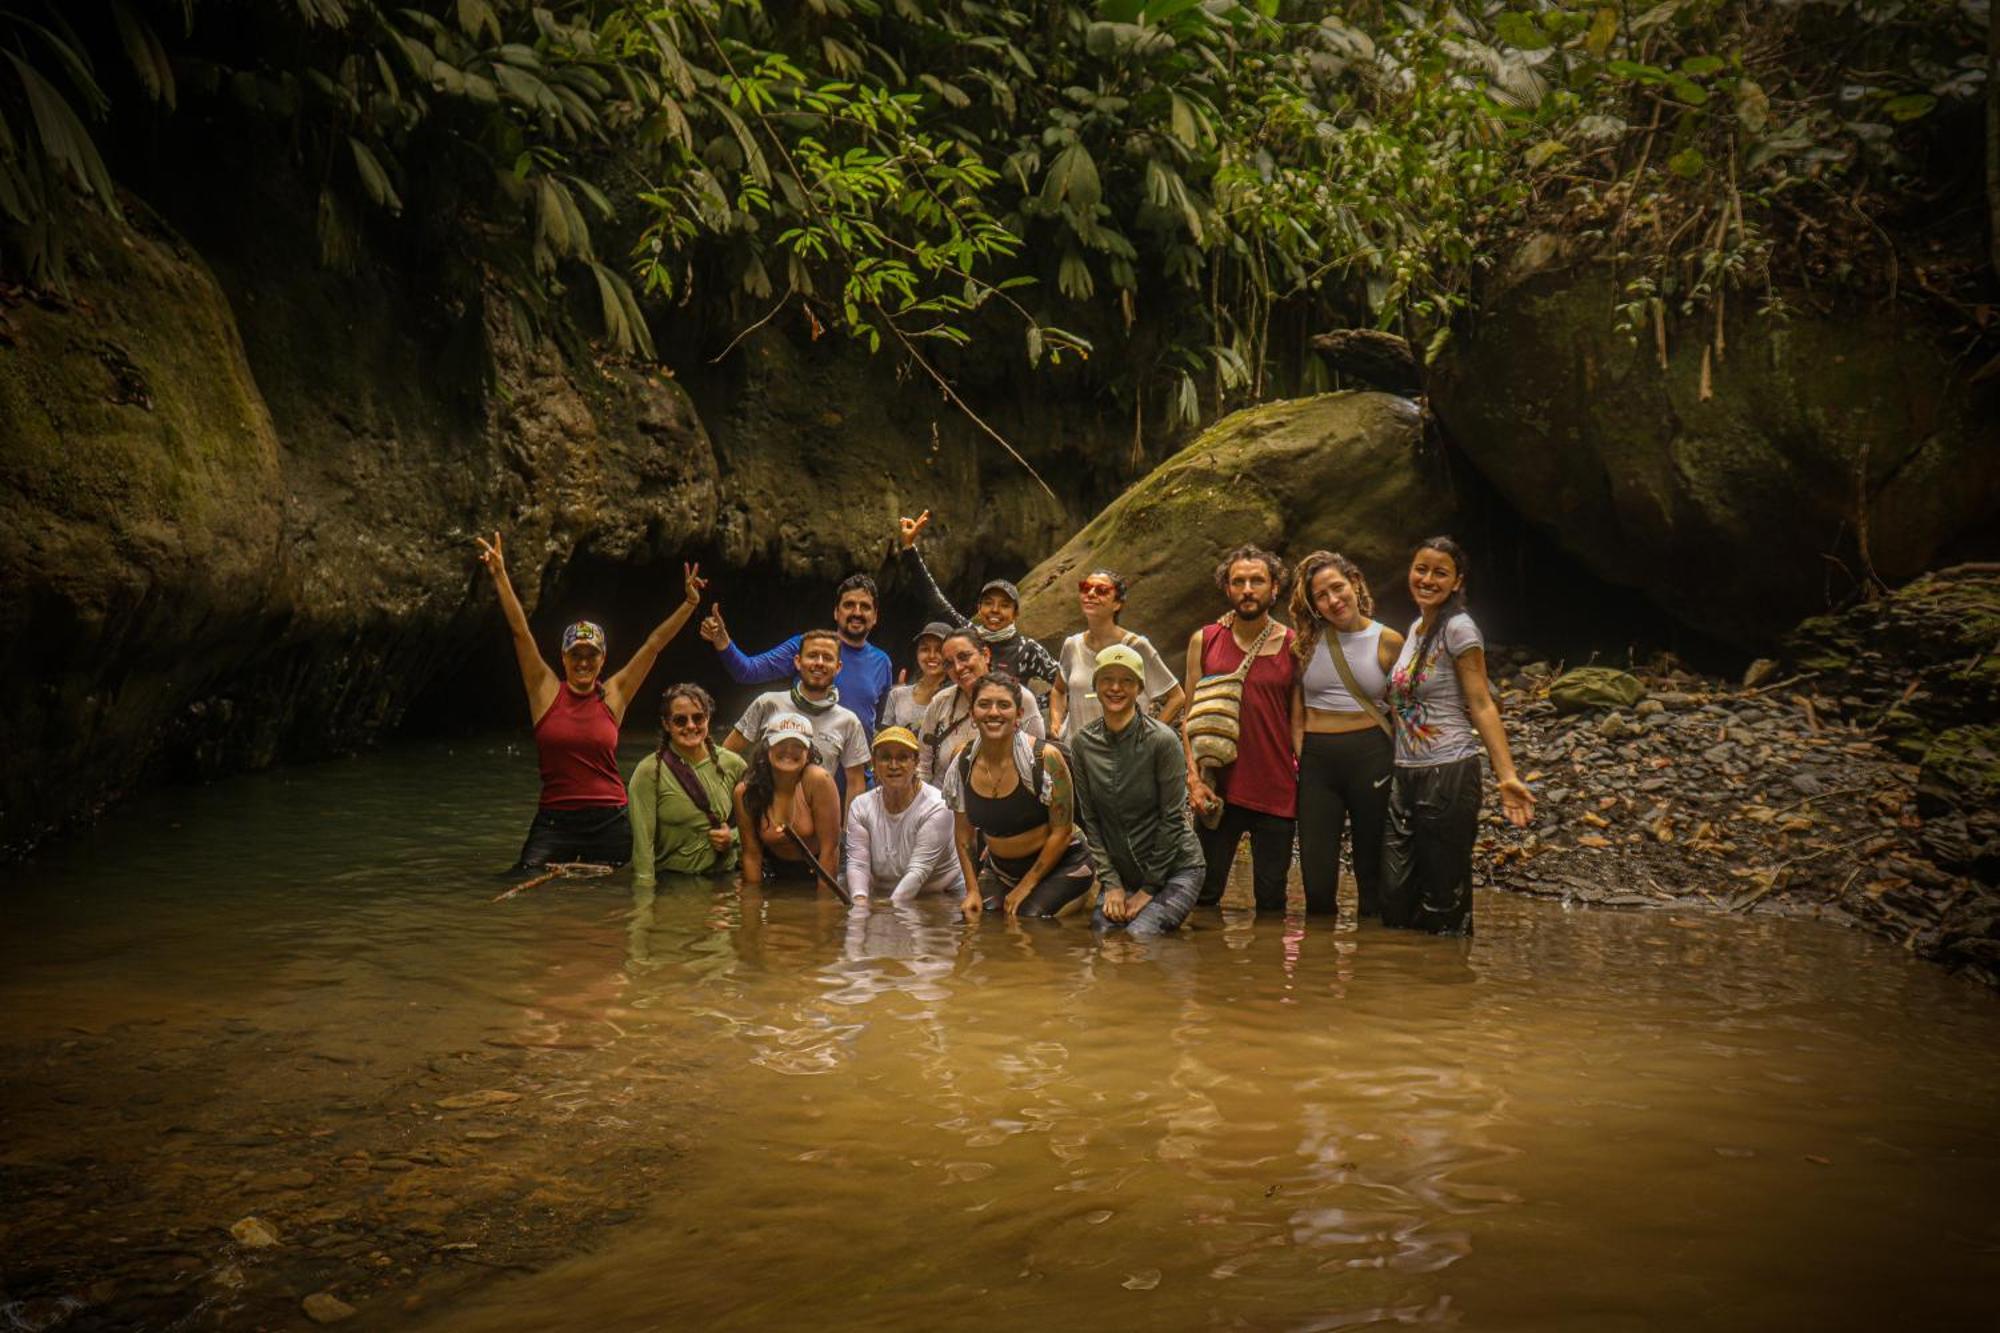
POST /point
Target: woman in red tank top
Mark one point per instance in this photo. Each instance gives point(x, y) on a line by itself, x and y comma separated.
point(576, 716)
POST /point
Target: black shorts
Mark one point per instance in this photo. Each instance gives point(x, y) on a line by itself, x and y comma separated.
point(601, 835)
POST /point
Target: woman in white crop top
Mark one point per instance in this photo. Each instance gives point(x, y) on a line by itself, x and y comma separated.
point(1344, 748)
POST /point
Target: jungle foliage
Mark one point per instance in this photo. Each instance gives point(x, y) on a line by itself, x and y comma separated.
point(1171, 177)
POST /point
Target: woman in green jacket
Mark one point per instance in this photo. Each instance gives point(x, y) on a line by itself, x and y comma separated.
point(681, 795)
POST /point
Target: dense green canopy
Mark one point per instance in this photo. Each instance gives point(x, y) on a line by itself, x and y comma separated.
point(914, 173)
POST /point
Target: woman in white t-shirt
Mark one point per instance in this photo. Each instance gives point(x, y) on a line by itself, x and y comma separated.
point(1444, 714)
point(899, 832)
point(1072, 705)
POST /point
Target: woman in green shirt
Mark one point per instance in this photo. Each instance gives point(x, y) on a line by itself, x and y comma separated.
point(681, 795)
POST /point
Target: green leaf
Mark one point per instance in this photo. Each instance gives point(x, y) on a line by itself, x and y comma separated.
point(1687, 90)
point(1543, 152)
point(1520, 31)
point(1073, 178)
point(1910, 106)
point(1700, 67)
point(64, 140)
point(1632, 69)
point(1753, 108)
point(373, 178)
point(475, 16)
point(1603, 28)
point(148, 57)
point(1688, 163)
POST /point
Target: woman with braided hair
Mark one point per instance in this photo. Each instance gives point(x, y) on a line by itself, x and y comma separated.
point(1444, 714)
point(681, 795)
point(1341, 735)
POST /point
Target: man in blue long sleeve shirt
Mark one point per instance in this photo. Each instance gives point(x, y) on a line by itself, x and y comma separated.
point(865, 670)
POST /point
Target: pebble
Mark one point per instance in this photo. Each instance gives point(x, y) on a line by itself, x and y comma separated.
point(254, 1233)
point(325, 1308)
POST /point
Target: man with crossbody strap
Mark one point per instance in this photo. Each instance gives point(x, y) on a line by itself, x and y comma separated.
point(1258, 791)
point(1343, 740)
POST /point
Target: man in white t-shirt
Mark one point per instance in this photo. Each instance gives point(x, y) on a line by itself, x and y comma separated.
point(837, 735)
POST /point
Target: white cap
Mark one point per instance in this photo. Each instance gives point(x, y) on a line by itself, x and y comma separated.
point(788, 727)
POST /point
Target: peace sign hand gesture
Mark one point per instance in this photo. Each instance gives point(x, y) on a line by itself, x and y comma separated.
point(492, 557)
point(910, 527)
point(693, 583)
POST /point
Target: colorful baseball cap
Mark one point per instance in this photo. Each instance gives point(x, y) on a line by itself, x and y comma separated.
point(1120, 655)
point(585, 634)
point(788, 726)
point(902, 736)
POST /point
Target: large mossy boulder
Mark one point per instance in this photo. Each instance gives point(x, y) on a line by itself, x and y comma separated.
point(1341, 471)
point(1733, 483)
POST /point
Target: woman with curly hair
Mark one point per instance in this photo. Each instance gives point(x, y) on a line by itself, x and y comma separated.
point(1340, 732)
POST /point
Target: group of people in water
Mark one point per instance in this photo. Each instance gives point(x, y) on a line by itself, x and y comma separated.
point(1134, 784)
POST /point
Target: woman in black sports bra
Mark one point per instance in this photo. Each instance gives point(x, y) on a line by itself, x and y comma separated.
point(1014, 791)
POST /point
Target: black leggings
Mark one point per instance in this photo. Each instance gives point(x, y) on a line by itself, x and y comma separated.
point(1343, 779)
point(1069, 880)
point(1270, 855)
point(1427, 848)
point(599, 834)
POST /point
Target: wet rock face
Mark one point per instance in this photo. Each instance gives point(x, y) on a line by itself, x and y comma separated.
point(222, 549)
point(237, 517)
point(1340, 470)
point(1722, 494)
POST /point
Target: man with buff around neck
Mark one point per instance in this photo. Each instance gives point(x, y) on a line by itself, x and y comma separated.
point(837, 733)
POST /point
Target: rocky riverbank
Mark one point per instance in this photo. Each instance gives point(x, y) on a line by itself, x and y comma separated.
point(1823, 787)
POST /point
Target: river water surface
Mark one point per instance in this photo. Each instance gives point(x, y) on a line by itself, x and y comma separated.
point(289, 996)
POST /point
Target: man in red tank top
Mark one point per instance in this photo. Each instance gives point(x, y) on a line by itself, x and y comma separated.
point(1258, 794)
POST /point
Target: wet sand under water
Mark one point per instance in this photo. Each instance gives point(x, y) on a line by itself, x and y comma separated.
point(287, 998)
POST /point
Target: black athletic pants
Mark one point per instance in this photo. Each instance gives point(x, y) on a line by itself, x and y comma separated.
point(1270, 855)
point(1427, 847)
point(1343, 780)
point(599, 834)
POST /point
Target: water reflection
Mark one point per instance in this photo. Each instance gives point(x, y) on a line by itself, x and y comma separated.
point(1573, 1120)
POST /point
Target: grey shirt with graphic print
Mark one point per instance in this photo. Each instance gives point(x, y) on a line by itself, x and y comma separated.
point(1432, 726)
point(837, 734)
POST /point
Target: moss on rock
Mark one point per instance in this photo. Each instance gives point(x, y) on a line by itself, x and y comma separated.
point(1339, 470)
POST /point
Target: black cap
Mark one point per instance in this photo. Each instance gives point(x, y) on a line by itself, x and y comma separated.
point(937, 629)
point(1013, 593)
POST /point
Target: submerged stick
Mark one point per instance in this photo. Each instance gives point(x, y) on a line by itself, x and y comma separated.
point(839, 891)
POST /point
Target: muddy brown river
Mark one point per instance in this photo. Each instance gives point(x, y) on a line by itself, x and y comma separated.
point(287, 1000)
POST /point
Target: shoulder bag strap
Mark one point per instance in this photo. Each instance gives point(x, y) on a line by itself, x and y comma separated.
point(690, 783)
point(1339, 656)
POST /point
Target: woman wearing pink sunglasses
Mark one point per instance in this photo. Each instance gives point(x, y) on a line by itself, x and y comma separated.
point(1073, 702)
